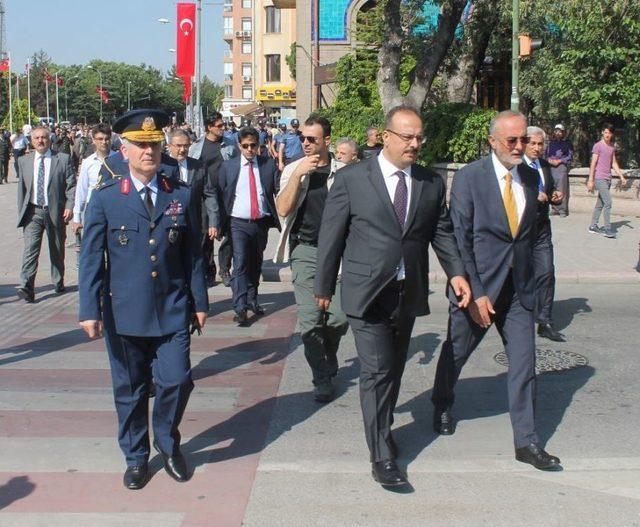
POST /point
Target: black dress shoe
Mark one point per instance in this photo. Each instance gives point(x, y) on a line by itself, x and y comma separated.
point(535, 455)
point(25, 295)
point(443, 422)
point(226, 278)
point(174, 465)
point(241, 318)
point(387, 473)
point(136, 477)
point(256, 308)
point(547, 331)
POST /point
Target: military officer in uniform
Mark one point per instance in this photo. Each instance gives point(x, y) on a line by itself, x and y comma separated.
point(145, 294)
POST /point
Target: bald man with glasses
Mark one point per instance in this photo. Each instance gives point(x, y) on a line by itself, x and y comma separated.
point(247, 186)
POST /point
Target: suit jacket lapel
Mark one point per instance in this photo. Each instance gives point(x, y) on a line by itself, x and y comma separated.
point(29, 176)
point(52, 170)
point(190, 172)
point(377, 182)
point(162, 202)
point(416, 192)
point(133, 200)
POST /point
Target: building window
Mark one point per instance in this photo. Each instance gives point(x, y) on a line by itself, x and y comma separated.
point(273, 19)
point(227, 25)
point(228, 5)
point(246, 70)
point(247, 93)
point(246, 48)
point(246, 24)
point(228, 71)
point(246, 4)
point(228, 50)
point(228, 90)
point(273, 68)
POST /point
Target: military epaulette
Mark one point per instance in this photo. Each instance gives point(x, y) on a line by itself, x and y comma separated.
point(104, 183)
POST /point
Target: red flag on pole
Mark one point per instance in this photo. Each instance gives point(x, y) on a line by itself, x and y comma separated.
point(60, 81)
point(47, 76)
point(186, 96)
point(186, 40)
point(4, 65)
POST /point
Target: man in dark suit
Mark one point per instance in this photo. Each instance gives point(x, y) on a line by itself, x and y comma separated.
point(247, 187)
point(494, 209)
point(46, 193)
point(203, 193)
point(543, 249)
point(147, 297)
point(379, 218)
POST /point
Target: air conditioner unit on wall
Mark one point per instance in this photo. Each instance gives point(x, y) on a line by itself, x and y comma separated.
point(246, 78)
point(246, 33)
point(238, 33)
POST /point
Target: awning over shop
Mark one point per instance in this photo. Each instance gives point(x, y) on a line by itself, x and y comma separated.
point(247, 109)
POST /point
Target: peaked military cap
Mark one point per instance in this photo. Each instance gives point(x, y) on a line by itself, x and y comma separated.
point(144, 125)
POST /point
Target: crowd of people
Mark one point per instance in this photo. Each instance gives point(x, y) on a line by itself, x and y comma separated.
point(147, 200)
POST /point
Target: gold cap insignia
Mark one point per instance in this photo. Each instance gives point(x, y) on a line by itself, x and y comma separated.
point(148, 124)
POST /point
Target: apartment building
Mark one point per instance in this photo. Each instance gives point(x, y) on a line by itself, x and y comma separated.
point(257, 39)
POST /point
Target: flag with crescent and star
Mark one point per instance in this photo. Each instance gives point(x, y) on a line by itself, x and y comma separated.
point(186, 45)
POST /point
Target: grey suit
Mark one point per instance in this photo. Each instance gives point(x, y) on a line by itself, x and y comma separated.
point(35, 221)
point(360, 227)
point(498, 266)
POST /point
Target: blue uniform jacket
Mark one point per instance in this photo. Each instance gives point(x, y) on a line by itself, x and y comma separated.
point(155, 272)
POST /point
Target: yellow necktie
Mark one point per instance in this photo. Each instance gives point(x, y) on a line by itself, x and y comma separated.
point(510, 205)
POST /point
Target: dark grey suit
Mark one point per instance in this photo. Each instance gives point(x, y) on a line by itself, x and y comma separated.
point(35, 221)
point(500, 267)
point(359, 225)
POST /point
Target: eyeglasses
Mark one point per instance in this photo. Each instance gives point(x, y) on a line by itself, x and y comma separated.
point(409, 138)
point(313, 140)
point(511, 142)
point(220, 125)
point(246, 146)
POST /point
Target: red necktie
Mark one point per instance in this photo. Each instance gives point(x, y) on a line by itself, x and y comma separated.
point(253, 194)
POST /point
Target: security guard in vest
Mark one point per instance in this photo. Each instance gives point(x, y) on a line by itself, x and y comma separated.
point(145, 294)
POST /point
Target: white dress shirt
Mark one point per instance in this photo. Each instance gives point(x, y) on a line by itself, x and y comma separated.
point(242, 201)
point(535, 164)
point(184, 171)
point(140, 186)
point(47, 175)
point(389, 170)
point(87, 180)
point(516, 184)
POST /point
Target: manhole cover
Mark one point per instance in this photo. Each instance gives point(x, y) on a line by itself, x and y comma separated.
point(550, 360)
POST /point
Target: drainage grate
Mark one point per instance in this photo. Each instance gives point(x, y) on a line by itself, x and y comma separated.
point(548, 360)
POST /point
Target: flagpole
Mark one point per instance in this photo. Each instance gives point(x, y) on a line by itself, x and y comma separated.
point(29, 89)
point(46, 87)
point(57, 103)
point(198, 57)
point(10, 101)
point(17, 88)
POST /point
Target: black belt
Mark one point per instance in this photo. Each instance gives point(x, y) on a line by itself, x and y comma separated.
point(43, 207)
point(243, 220)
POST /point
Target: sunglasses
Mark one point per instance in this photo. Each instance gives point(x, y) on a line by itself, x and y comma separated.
point(310, 139)
point(513, 141)
point(246, 146)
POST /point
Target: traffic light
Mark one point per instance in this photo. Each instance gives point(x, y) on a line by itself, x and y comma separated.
point(528, 45)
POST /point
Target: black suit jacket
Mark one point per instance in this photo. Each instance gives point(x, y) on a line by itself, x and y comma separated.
point(359, 225)
point(228, 180)
point(549, 188)
point(203, 193)
point(488, 249)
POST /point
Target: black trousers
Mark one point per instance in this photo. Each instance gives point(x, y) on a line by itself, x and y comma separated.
point(545, 275)
point(382, 339)
point(225, 255)
point(249, 240)
point(516, 327)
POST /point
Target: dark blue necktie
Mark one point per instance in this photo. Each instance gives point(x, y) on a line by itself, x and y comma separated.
point(534, 165)
point(40, 185)
point(400, 198)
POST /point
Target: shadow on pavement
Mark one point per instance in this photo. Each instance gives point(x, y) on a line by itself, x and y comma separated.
point(271, 302)
point(14, 490)
point(43, 346)
point(565, 310)
point(616, 225)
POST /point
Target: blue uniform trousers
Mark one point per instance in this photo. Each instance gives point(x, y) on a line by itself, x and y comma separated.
point(131, 360)
point(249, 240)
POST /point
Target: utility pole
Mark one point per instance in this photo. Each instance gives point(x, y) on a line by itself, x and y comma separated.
point(197, 120)
point(515, 59)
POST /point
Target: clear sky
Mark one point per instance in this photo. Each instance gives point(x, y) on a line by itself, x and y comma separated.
point(77, 31)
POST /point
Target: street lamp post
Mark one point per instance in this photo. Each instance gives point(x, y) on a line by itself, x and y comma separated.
point(128, 96)
point(101, 85)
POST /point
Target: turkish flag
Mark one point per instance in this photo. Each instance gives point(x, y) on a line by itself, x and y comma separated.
point(104, 94)
point(186, 40)
point(4, 65)
point(60, 81)
point(47, 76)
point(186, 95)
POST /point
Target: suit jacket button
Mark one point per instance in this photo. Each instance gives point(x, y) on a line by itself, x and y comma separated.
point(152, 241)
point(152, 225)
point(153, 258)
point(154, 274)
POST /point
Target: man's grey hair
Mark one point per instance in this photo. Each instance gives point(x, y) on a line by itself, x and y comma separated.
point(179, 132)
point(506, 114)
point(347, 141)
point(536, 130)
